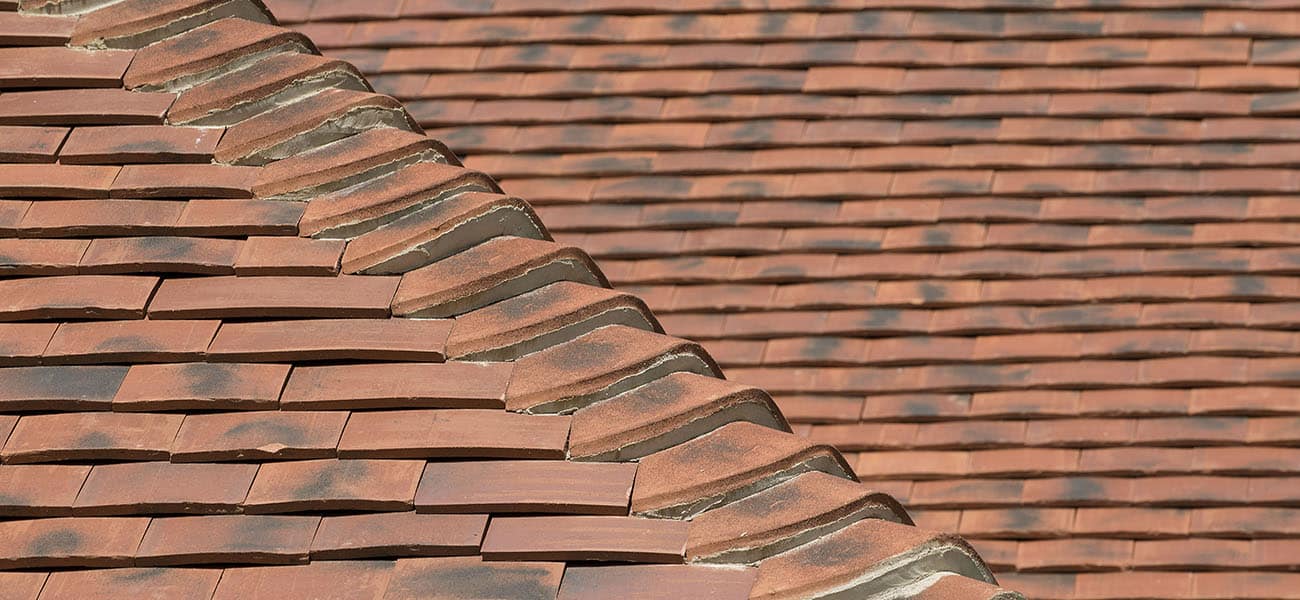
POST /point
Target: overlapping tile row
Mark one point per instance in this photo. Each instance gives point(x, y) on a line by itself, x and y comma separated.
point(262, 337)
point(1032, 266)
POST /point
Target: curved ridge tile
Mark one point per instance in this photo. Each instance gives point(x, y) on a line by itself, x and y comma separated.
point(786, 515)
point(363, 207)
point(138, 23)
point(311, 122)
point(665, 413)
point(542, 318)
point(232, 97)
point(218, 47)
point(446, 227)
point(346, 162)
point(500, 268)
point(734, 461)
point(599, 365)
point(869, 559)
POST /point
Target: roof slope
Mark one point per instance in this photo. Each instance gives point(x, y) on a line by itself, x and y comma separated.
point(262, 338)
point(1034, 259)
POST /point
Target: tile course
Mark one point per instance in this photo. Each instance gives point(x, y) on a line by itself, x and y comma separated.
point(210, 326)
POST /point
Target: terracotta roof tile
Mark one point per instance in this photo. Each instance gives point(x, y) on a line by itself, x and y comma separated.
point(370, 204)
point(159, 487)
point(42, 257)
point(71, 542)
point(225, 297)
point(35, 30)
point(59, 388)
point(468, 433)
point(137, 24)
point(84, 107)
point(471, 576)
point(651, 581)
point(200, 386)
point(62, 67)
point(62, 181)
point(397, 534)
point(217, 539)
point(184, 181)
point(226, 98)
point(245, 436)
point(333, 165)
point(129, 341)
point(332, 339)
point(182, 584)
point(90, 436)
point(160, 254)
point(585, 538)
point(139, 144)
point(30, 144)
point(525, 487)
point(325, 579)
point(239, 217)
point(397, 385)
point(41, 490)
point(327, 484)
point(183, 59)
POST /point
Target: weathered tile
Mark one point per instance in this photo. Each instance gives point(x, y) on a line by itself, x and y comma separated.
point(153, 488)
point(62, 67)
point(90, 436)
point(59, 388)
point(629, 539)
point(199, 256)
point(181, 584)
point(464, 433)
point(40, 490)
point(258, 435)
point(129, 341)
point(269, 297)
point(473, 577)
point(289, 256)
point(389, 535)
point(396, 385)
point(226, 539)
point(70, 542)
point(324, 580)
point(526, 486)
point(201, 386)
point(651, 581)
point(329, 484)
point(333, 339)
point(139, 144)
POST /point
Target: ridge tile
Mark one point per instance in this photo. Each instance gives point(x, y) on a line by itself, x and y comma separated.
point(238, 94)
point(139, 23)
point(361, 208)
point(185, 57)
point(345, 160)
point(284, 131)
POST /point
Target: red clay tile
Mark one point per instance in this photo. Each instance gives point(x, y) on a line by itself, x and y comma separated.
point(454, 434)
point(131, 24)
point(90, 436)
point(184, 181)
point(325, 580)
point(84, 107)
point(526, 486)
point(258, 435)
point(614, 359)
point(289, 256)
point(30, 144)
point(644, 582)
point(329, 484)
point(200, 386)
point(780, 517)
point(335, 339)
point(139, 144)
point(35, 30)
point(239, 217)
point(585, 538)
point(69, 218)
point(59, 388)
point(56, 181)
point(129, 341)
point(382, 200)
point(344, 161)
point(40, 490)
point(152, 488)
point(741, 456)
point(283, 131)
point(62, 67)
point(181, 584)
point(206, 256)
point(471, 577)
point(397, 385)
point(23, 343)
point(22, 585)
point(663, 413)
point(41, 257)
point(184, 57)
point(225, 539)
point(232, 297)
point(70, 542)
point(389, 535)
point(227, 98)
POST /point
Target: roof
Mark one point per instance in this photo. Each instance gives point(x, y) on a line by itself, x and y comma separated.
point(260, 337)
point(1031, 264)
